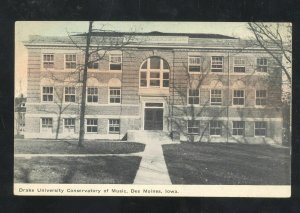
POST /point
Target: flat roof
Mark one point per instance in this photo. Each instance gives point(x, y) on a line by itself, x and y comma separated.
point(157, 33)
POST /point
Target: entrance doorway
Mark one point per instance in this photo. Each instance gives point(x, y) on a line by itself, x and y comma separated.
point(153, 119)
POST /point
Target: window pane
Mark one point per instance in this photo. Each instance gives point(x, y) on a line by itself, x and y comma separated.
point(115, 59)
point(165, 83)
point(165, 65)
point(154, 75)
point(165, 75)
point(239, 69)
point(154, 83)
point(143, 83)
point(115, 66)
point(194, 68)
point(144, 66)
point(155, 63)
point(143, 75)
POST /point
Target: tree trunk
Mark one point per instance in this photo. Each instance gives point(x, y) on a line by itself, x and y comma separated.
point(84, 81)
point(58, 125)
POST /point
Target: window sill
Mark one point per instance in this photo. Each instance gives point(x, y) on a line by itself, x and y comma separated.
point(261, 73)
point(48, 69)
point(217, 105)
point(70, 102)
point(238, 106)
point(240, 73)
point(217, 72)
point(114, 104)
point(194, 105)
point(92, 104)
point(47, 102)
point(114, 70)
point(196, 73)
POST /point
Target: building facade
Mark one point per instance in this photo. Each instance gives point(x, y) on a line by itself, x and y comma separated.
point(203, 87)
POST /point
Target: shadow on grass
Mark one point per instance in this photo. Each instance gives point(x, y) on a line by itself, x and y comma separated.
point(230, 164)
point(85, 170)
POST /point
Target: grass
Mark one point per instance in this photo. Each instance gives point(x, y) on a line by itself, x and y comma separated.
point(84, 170)
point(28, 146)
point(227, 164)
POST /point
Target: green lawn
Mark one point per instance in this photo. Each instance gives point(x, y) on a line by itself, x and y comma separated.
point(84, 170)
point(227, 164)
point(28, 146)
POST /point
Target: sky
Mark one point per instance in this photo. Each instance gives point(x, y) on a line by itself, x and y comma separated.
point(60, 28)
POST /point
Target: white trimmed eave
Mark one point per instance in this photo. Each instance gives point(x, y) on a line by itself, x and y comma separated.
point(170, 46)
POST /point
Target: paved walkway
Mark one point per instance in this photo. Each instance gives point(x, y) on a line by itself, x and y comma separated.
point(153, 169)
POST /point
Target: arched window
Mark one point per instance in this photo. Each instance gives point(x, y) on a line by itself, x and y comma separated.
point(216, 91)
point(154, 72)
point(92, 90)
point(114, 87)
point(238, 96)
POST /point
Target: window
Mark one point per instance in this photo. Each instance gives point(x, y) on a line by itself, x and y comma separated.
point(91, 125)
point(215, 97)
point(115, 62)
point(94, 62)
point(114, 95)
point(260, 128)
point(69, 125)
point(92, 95)
point(238, 97)
point(165, 79)
point(143, 79)
point(47, 95)
point(217, 63)
point(238, 128)
point(193, 96)
point(47, 125)
point(154, 72)
point(194, 64)
point(261, 97)
point(48, 61)
point(154, 79)
point(239, 65)
point(114, 126)
point(70, 61)
point(193, 127)
point(69, 94)
point(262, 65)
point(215, 127)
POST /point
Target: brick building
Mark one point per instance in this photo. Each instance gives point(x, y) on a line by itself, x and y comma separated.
point(204, 87)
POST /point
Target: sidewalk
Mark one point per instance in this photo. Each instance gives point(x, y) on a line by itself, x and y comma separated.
point(153, 169)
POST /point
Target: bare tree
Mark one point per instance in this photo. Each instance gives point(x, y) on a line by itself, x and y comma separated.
point(84, 82)
point(181, 105)
point(59, 100)
point(276, 40)
point(99, 43)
